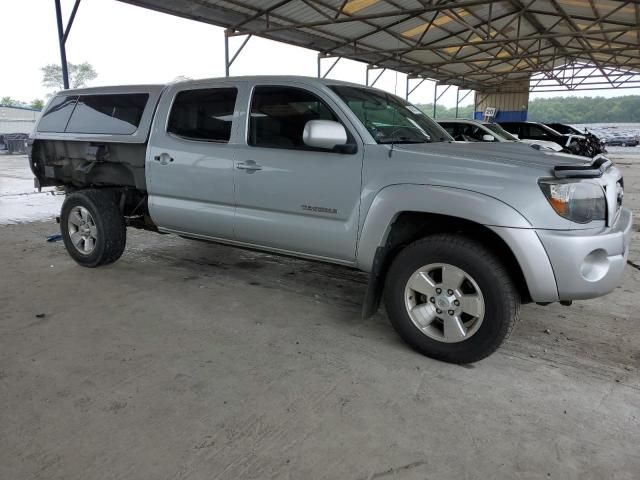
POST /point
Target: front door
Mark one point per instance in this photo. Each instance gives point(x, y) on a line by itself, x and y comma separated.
point(291, 197)
point(190, 161)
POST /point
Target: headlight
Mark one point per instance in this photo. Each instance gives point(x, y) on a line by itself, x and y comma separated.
point(578, 201)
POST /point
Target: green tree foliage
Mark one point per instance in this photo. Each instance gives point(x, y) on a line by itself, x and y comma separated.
point(564, 110)
point(586, 109)
point(9, 102)
point(443, 112)
point(79, 75)
point(37, 104)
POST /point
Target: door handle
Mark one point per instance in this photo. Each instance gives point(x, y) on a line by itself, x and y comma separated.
point(250, 166)
point(163, 158)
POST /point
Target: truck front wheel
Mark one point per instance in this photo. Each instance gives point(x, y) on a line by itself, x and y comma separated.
point(451, 298)
point(93, 228)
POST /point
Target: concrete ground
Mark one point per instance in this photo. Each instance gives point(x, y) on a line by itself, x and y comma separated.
point(191, 360)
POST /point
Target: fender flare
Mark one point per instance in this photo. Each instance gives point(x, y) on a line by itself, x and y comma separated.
point(502, 219)
point(454, 202)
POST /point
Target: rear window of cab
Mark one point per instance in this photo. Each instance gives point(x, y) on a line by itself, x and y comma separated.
point(114, 114)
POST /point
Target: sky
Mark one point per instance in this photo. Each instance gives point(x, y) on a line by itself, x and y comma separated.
point(131, 45)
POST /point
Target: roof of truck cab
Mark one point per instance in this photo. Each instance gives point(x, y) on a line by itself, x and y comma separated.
point(113, 89)
point(272, 78)
point(200, 81)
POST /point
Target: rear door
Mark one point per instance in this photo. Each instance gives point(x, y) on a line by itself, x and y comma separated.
point(289, 196)
point(190, 160)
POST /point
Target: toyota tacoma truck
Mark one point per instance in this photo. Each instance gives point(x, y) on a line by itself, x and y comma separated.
point(454, 236)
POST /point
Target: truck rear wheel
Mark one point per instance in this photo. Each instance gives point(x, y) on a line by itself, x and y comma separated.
point(93, 228)
point(450, 298)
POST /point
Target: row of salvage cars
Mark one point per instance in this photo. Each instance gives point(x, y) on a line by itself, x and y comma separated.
point(556, 136)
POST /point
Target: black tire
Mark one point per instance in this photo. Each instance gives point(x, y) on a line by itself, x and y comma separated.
point(109, 222)
point(502, 300)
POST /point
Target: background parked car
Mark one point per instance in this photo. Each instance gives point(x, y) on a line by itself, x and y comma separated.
point(475, 131)
point(596, 143)
point(622, 140)
point(571, 143)
point(564, 129)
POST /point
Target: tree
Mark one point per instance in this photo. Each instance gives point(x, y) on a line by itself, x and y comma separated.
point(79, 75)
point(464, 111)
point(9, 102)
point(564, 110)
point(37, 104)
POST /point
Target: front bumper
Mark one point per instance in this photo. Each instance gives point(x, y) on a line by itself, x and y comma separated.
point(588, 264)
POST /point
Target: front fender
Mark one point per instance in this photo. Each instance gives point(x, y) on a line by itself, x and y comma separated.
point(505, 221)
point(455, 202)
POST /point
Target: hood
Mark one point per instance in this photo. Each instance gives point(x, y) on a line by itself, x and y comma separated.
point(508, 172)
point(479, 154)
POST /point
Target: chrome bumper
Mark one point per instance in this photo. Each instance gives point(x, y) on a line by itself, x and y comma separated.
point(588, 264)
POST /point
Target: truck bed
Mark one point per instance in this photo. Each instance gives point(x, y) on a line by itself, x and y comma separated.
point(94, 137)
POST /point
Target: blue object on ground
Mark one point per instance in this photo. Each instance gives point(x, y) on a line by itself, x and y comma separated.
point(54, 238)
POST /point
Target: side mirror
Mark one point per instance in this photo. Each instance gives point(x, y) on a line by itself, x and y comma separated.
point(515, 135)
point(488, 138)
point(324, 134)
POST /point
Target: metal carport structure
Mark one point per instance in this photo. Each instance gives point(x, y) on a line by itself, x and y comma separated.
point(482, 45)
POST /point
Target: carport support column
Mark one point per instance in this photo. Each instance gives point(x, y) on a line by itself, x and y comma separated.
point(410, 89)
point(61, 43)
point(511, 102)
point(460, 99)
point(228, 61)
point(322, 56)
point(437, 97)
point(368, 81)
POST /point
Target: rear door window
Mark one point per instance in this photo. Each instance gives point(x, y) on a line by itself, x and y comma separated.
point(56, 117)
point(204, 114)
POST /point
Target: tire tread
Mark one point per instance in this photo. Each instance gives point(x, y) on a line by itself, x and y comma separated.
point(442, 243)
point(114, 233)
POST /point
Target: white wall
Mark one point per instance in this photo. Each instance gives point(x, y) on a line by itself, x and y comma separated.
point(17, 120)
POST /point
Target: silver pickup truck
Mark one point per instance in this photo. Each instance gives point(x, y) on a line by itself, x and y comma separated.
point(454, 236)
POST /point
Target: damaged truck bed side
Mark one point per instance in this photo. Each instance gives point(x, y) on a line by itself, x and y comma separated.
point(104, 143)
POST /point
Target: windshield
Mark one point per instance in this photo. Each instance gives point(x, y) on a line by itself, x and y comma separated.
point(497, 129)
point(550, 130)
point(389, 119)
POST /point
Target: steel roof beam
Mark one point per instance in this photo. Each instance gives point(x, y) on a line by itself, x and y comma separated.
point(518, 37)
point(374, 16)
point(535, 37)
point(63, 34)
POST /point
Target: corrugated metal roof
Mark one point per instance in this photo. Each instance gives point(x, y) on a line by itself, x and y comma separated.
point(478, 44)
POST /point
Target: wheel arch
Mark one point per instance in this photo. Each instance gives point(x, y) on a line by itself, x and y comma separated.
point(386, 232)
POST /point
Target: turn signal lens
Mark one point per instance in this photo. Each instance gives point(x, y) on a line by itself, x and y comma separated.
point(578, 201)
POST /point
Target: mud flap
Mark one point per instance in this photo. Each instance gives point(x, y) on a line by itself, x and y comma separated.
point(375, 286)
